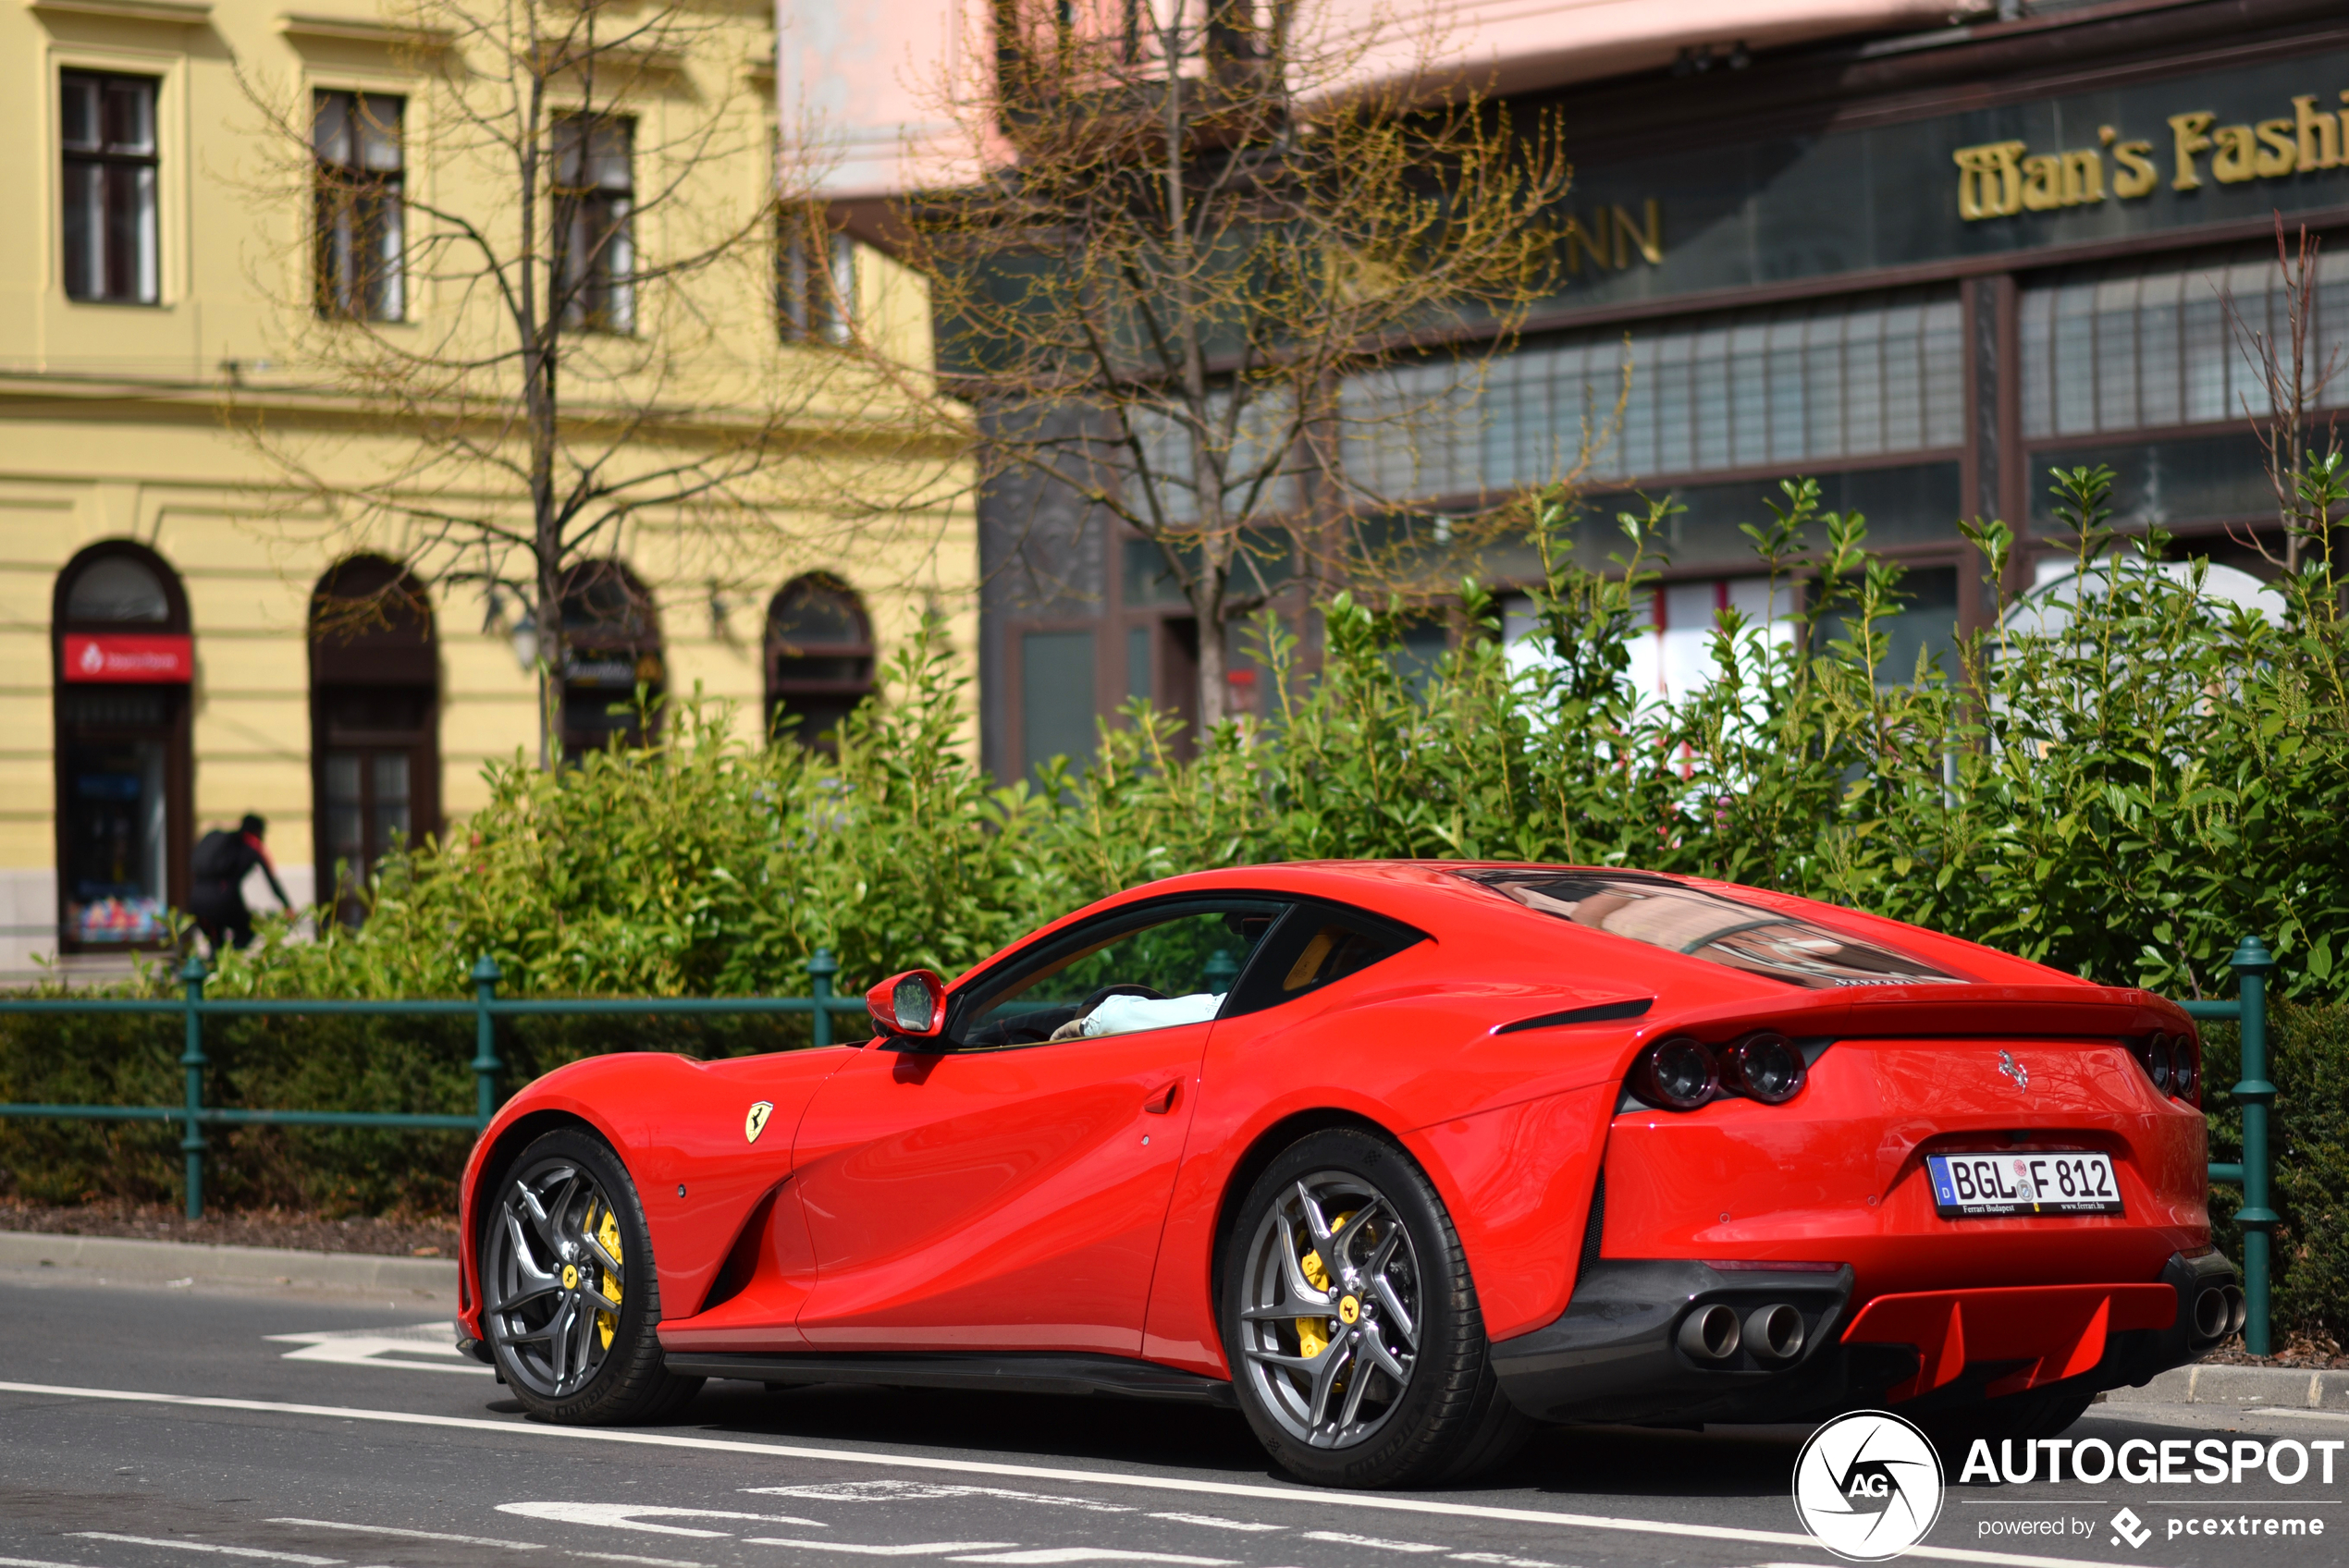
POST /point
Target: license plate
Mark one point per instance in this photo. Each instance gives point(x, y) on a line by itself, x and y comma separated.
point(2045, 1181)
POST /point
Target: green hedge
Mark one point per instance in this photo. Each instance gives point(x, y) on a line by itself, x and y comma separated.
point(2122, 797)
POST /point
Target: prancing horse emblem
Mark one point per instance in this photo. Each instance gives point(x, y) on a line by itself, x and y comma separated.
point(755, 1123)
point(2007, 1064)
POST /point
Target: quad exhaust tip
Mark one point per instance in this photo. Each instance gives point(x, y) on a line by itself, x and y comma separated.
point(2219, 1311)
point(1774, 1333)
point(1710, 1333)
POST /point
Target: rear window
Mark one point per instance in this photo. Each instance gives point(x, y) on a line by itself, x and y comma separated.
point(1719, 930)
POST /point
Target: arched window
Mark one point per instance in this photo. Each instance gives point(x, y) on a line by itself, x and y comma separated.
point(611, 634)
point(819, 659)
point(374, 707)
point(123, 660)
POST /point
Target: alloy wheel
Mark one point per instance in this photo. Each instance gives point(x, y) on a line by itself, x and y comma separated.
point(1330, 1310)
point(555, 1278)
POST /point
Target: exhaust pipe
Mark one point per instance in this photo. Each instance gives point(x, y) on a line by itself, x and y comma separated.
point(2238, 1310)
point(1774, 1333)
point(2214, 1315)
point(1710, 1333)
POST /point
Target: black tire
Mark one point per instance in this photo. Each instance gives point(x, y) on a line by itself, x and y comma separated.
point(572, 1338)
point(1350, 1421)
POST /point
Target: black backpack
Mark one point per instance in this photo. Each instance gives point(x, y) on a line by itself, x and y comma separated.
point(217, 858)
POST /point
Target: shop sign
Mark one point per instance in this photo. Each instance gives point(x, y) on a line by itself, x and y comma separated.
point(144, 660)
point(1998, 180)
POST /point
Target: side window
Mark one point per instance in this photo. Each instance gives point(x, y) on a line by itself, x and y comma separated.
point(1317, 945)
point(1133, 971)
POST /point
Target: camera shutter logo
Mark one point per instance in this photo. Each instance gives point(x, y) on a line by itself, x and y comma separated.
point(1868, 1485)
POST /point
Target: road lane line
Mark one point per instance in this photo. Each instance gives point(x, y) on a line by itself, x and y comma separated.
point(508, 1431)
point(37, 1562)
point(646, 1561)
point(920, 1491)
point(412, 1535)
point(1338, 1538)
point(915, 1548)
point(208, 1546)
point(634, 1516)
point(1500, 1560)
point(1051, 1554)
point(1213, 1523)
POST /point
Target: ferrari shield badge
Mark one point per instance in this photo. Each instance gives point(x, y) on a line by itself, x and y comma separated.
point(755, 1123)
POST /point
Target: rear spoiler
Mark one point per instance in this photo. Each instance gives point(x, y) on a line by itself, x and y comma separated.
point(1941, 1011)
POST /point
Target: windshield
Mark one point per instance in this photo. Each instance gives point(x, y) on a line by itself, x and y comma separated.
point(1699, 924)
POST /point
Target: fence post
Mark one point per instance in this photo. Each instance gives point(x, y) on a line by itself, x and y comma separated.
point(485, 1063)
point(191, 978)
point(2255, 1095)
point(820, 970)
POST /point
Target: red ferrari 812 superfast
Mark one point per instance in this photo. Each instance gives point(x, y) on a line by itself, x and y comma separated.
point(1400, 1159)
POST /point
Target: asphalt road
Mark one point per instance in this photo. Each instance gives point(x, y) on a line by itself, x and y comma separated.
point(160, 1428)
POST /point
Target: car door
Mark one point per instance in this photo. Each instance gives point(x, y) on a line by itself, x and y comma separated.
point(1007, 1193)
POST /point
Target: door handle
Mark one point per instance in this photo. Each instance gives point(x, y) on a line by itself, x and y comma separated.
point(1161, 1102)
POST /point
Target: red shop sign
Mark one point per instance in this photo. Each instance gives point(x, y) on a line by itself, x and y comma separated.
point(122, 658)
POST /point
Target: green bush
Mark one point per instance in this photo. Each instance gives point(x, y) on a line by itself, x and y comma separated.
point(2122, 797)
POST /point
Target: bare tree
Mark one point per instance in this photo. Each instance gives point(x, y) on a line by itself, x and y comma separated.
point(1192, 246)
point(2293, 375)
point(535, 310)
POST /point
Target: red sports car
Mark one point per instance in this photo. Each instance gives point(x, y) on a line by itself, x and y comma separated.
point(1400, 1159)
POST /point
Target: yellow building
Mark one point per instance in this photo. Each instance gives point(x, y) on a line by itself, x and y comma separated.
point(171, 288)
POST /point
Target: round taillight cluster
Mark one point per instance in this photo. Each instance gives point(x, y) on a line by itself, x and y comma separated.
point(2173, 1063)
point(1679, 1074)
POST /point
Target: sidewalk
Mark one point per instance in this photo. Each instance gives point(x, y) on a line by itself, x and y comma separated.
point(2271, 1386)
point(110, 1259)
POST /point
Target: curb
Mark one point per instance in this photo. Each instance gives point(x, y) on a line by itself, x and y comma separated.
point(2213, 1383)
point(120, 1257)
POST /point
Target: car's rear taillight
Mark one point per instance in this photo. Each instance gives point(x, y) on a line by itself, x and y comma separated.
point(1681, 1073)
point(2172, 1064)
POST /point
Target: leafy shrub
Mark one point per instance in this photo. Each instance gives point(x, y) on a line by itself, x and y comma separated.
point(2122, 797)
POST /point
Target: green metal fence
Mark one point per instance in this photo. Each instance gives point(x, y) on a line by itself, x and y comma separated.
point(2257, 1097)
point(2253, 1093)
point(485, 1009)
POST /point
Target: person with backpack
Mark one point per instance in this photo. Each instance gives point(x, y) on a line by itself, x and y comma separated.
point(217, 898)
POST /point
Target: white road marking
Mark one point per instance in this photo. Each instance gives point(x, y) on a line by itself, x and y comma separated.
point(37, 1562)
point(916, 1548)
point(648, 1562)
point(1097, 1554)
point(208, 1546)
point(633, 1517)
point(1213, 1523)
point(412, 1535)
point(385, 1347)
point(509, 1431)
point(916, 1491)
point(1500, 1560)
point(1338, 1538)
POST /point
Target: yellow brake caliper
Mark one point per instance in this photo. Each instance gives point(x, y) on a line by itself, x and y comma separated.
point(1313, 1334)
point(608, 1323)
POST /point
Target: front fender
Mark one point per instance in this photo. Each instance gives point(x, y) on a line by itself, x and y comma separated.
point(679, 1127)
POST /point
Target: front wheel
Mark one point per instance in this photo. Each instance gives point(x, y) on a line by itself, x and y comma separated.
point(570, 1302)
point(1351, 1324)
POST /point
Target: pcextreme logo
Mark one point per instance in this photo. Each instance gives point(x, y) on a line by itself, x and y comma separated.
point(1868, 1485)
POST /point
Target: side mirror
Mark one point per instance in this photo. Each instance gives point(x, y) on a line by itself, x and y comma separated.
point(912, 1003)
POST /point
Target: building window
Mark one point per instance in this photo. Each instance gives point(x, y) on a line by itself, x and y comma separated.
point(1056, 698)
point(108, 134)
point(361, 238)
point(815, 276)
point(123, 662)
point(819, 659)
point(1813, 382)
point(611, 646)
point(595, 238)
point(375, 690)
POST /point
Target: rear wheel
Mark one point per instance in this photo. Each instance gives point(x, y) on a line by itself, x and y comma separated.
point(1351, 1323)
point(570, 1302)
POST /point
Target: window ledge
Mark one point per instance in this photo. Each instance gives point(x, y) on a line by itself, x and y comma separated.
point(182, 13)
point(362, 30)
